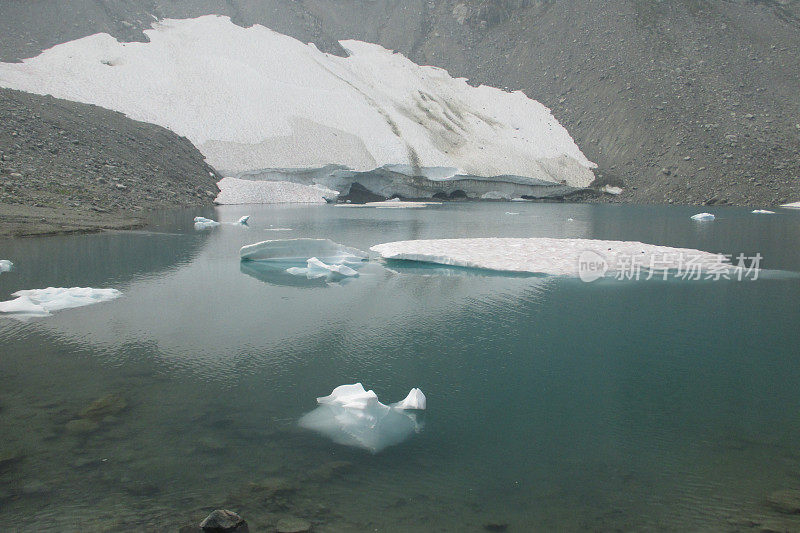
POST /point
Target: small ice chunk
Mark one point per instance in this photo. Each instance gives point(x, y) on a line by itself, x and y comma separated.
point(201, 223)
point(511, 213)
point(5, 265)
point(703, 216)
point(43, 302)
point(242, 221)
point(353, 416)
point(762, 212)
point(317, 269)
point(414, 400)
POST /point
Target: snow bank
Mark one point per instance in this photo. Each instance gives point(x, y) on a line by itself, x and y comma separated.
point(703, 217)
point(392, 204)
point(261, 104)
point(43, 302)
point(5, 265)
point(559, 257)
point(353, 416)
point(240, 191)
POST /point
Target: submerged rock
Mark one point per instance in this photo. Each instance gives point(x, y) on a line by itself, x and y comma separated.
point(293, 525)
point(785, 501)
point(82, 426)
point(108, 405)
point(223, 520)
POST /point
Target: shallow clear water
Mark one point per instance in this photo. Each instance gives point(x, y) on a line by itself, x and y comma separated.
point(552, 403)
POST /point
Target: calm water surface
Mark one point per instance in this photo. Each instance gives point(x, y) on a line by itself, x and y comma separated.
point(552, 404)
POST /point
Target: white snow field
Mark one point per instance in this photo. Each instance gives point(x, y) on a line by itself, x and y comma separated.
point(43, 302)
point(5, 265)
point(239, 191)
point(558, 257)
point(353, 416)
point(262, 105)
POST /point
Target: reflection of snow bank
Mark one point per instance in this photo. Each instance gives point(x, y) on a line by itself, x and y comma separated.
point(201, 223)
point(353, 416)
point(43, 302)
point(703, 217)
point(239, 191)
point(256, 102)
point(317, 269)
point(5, 265)
point(545, 255)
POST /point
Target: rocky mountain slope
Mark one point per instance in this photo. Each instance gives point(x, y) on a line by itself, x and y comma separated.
point(685, 101)
point(67, 167)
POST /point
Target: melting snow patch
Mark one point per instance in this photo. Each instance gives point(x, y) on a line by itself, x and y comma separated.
point(560, 257)
point(201, 223)
point(43, 302)
point(703, 217)
point(239, 191)
point(5, 265)
point(353, 416)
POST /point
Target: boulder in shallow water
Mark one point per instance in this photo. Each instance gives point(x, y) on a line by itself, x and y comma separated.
point(293, 525)
point(223, 520)
point(110, 404)
point(785, 501)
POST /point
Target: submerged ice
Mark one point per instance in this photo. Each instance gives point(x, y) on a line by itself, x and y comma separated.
point(307, 258)
point(43, 302)
point(353, 416)
point(5, 265)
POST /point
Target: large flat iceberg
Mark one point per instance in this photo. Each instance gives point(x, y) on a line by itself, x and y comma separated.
point(262, 105)
point(560, 257)
point(353, 416)
point(43, 302)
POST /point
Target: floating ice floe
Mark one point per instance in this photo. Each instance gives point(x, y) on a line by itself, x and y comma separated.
point(311, 259)
point(43, 302)
point(353, 416)
point(511, 213)
point(201, 223)
point(242, 221)
point(372, 117)
point(703, 217)
point(293, 250)
point(793, 205)
point(317, 269)
point(559, 257)
point(762, 212)
point(5, 265)
point(243, 191)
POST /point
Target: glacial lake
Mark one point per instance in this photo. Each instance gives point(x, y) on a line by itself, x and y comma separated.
point(553, 404)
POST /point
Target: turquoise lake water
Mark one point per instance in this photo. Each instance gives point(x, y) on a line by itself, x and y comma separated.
point(553, 404)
